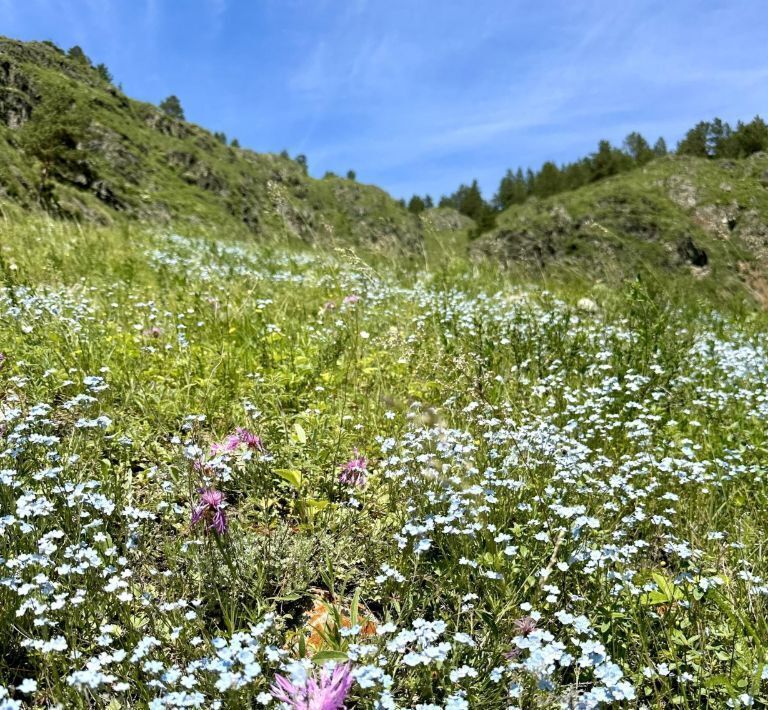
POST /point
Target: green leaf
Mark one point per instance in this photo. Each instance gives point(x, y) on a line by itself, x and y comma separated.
point(288, 598)
point(291, 475)
point(353, 607)
point(301, 435)
point(329, 656)
point(317, 503)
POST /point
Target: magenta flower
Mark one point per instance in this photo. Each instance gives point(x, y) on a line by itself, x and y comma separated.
point(353, 472)
point(251, 440)
point(525, 625)
point(230, 443)
point(326, 693)
point(211, 510)
point(241, 436)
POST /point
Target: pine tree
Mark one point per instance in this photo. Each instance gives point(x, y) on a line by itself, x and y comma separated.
point(416, 205)
point(720, 143)
point(660, 148)
point(608, 161)
point(301, 159)
point(104, 73)
point(751, 137)
point(512, 190)
point(235, 143)
point(695, 141)
point(548, 181)
point(576, 174)
point(172, 107)
point(351, 175)
point(638, 148)
point(52, 136)
point(78, 55)
point(471, 201)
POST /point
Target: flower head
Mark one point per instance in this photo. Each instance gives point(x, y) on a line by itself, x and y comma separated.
point(211, 510)
point(525, 625)
point(251, 440)
point(241, 436)
point(353, 472)
point(327, 692)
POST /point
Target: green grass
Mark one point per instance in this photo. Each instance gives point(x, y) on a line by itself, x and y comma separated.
point(594, 468)
point(165, 171)
point(634, 222)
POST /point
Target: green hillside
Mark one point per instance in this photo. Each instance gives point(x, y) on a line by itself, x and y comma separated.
point(142, 164)
point(680, 220)
point(684, 220)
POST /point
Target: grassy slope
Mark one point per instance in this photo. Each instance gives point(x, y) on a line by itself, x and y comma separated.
point(166, 171)
point(620, 450)
point(634, 223)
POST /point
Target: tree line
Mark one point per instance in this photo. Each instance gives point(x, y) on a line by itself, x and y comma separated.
point(707, 139)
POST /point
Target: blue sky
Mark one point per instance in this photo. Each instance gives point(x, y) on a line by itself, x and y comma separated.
point(420, 95)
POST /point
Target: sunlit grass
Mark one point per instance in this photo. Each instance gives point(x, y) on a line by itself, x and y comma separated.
point(476, 493)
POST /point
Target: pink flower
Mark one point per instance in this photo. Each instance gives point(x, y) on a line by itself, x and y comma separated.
point(353, 472)
point(352, 298)
point(525, 625)
point(241, 436)
point(251, 440)
point(230, 443)
point(211, 510)
point(326, 693)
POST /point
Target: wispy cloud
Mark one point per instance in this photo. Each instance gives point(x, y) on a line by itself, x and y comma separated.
point(423, 95)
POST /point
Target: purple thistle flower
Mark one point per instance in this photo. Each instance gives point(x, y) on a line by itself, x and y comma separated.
point(241, 436)
point(326, 693)
point(525, 625)
point(230, 443)
point(211, 510)
point(251, 440)
point(353, 472)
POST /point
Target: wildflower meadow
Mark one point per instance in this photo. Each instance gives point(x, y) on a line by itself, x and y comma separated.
point(237, 476)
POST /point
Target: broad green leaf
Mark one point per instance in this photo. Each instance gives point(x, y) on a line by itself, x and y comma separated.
point(291, 475)
point(323, 656)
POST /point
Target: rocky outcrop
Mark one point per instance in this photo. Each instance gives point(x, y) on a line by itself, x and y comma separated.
point(15, 95)
point(446, 219)
point(691, 254)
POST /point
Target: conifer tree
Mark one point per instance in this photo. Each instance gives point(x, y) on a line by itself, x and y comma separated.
point(104, 73)
point(695, 141)
point(77, 54)
point(172, 107)
point(638, 148)
point(416, 205)
point(52, 136)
